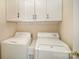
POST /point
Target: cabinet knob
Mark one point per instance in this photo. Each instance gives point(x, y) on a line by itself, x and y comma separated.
point(35, 16)
point(47, 16)
point(18, 14)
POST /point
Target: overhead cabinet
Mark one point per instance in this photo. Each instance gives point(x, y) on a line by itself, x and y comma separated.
point(34, 10)
point(26, 10)
point(54, 10)
point(12, 10)
point(40, 10)
point(48, 10)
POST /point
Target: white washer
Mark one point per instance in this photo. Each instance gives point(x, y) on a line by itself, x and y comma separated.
point(31, 51)
point(48, 46)
point(16, 47)
point(51, 52)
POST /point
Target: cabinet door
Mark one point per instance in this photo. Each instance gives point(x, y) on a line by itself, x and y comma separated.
point(40, 10)
point(26, 10)
point(54, 10)
point(29, 10)
point(21, 10)
point(11, 10)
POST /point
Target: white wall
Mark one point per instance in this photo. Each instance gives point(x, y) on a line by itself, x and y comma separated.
point(76, 26)
point(6, 29)
point(34, 28)
point(66, 26)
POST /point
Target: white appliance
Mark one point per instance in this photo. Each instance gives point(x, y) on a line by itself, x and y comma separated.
point(48, 46)
point(16, 47)
point(31, 50)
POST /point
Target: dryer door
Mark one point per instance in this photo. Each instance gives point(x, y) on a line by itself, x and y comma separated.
point(47, 52)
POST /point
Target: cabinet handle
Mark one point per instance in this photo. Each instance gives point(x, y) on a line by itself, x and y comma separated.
point(47, 16)
point(35, 16)
point(18, 15)
point(30, 56)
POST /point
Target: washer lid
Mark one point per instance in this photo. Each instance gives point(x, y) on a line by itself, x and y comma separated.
point(53, 48)
point(23, 35)
point(50, 42)
point(47, 35)
point(15, 41)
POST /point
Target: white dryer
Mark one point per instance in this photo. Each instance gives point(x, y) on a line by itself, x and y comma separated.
point(16, 47)
point(48, 46)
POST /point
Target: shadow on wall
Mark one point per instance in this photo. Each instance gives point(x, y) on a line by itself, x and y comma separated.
point(36, 27)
